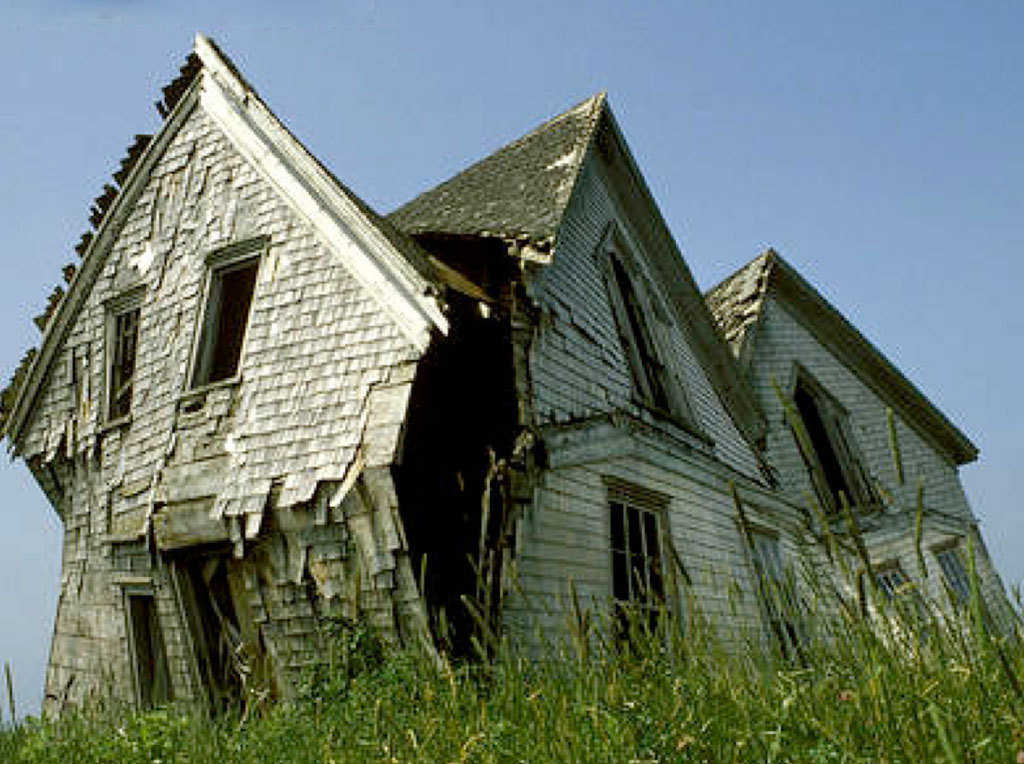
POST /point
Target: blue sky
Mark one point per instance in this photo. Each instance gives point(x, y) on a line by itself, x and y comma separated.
point(875, 145)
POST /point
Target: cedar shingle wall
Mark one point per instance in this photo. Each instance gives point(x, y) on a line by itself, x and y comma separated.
point(316, 345)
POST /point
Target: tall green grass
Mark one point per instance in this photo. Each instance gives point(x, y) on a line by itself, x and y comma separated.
point(892, 688)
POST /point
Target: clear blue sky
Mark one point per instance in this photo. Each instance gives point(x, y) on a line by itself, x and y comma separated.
point(876, 145)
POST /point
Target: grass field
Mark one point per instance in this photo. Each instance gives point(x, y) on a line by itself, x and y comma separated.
point(882, 689)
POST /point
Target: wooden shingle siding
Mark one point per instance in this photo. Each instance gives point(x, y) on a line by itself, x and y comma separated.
point(779, 339)
point(316, 346)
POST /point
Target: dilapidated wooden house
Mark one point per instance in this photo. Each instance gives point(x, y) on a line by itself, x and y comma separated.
point(260, 405)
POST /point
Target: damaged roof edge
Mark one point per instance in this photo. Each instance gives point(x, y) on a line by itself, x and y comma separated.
point(92, 264)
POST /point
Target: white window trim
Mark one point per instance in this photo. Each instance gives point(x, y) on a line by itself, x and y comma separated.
point(852, 465)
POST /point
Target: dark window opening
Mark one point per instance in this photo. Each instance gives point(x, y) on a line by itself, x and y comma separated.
point(648, 370)
point(124, 343)
point(227, 315)
point(154, 681)
point(637, 582)
point(777, 591)
point(823, 447)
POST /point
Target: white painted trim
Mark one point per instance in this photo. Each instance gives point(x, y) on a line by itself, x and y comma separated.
point(366, 253)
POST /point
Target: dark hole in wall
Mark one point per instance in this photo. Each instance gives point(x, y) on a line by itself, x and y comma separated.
point(154, 680)
point(463, 403)
point(214, 625)
point(227, 314)
point(816, 431)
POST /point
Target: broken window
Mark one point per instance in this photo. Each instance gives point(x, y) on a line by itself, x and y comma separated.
point(638, 582)
point(229, 298)
point(649, 373)
point(122, 346)
point(835, 468)
point(152, 678)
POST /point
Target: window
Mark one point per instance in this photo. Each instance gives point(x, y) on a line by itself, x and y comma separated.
point(229, 298)
point(638, 581)
point(891, 581)
point(955, 574)
point(833, 463)
point(152, 679)
point(654, 384)
point(775, 590)
point(122, 348)
point(649, 374)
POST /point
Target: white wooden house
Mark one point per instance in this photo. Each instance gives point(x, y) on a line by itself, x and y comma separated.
point(260, 405)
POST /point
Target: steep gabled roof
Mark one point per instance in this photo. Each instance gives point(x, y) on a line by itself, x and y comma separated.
point(398, 272)
point(523, 190)
point(519, 191)
point(738, 303)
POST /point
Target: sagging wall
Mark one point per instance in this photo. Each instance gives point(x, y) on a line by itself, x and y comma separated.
point(779, 339)
point(566, 535)
point(324, 382)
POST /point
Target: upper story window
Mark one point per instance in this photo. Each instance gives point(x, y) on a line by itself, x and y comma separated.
point(229, 293)
point(122, 343)
point(834, 464)
point(633, 306)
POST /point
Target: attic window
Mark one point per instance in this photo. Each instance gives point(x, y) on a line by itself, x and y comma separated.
point(122, 346)
point(835, 467)
point(228, 302)
point(653, 382)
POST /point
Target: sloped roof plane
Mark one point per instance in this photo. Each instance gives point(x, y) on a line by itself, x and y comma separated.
point(738, 302)
point(519, 191)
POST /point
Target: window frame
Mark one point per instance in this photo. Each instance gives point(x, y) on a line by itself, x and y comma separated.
point(951, 548)
point(218, 262)
point(780, 604)
point(645, 503)
point(115, 308)
point(835, 421)
point(649, 366)
point(143, 696)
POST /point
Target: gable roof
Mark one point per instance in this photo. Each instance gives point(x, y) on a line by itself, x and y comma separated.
point(738, 302)
point(390, 265)
point(519, 191)
point(523, 190)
